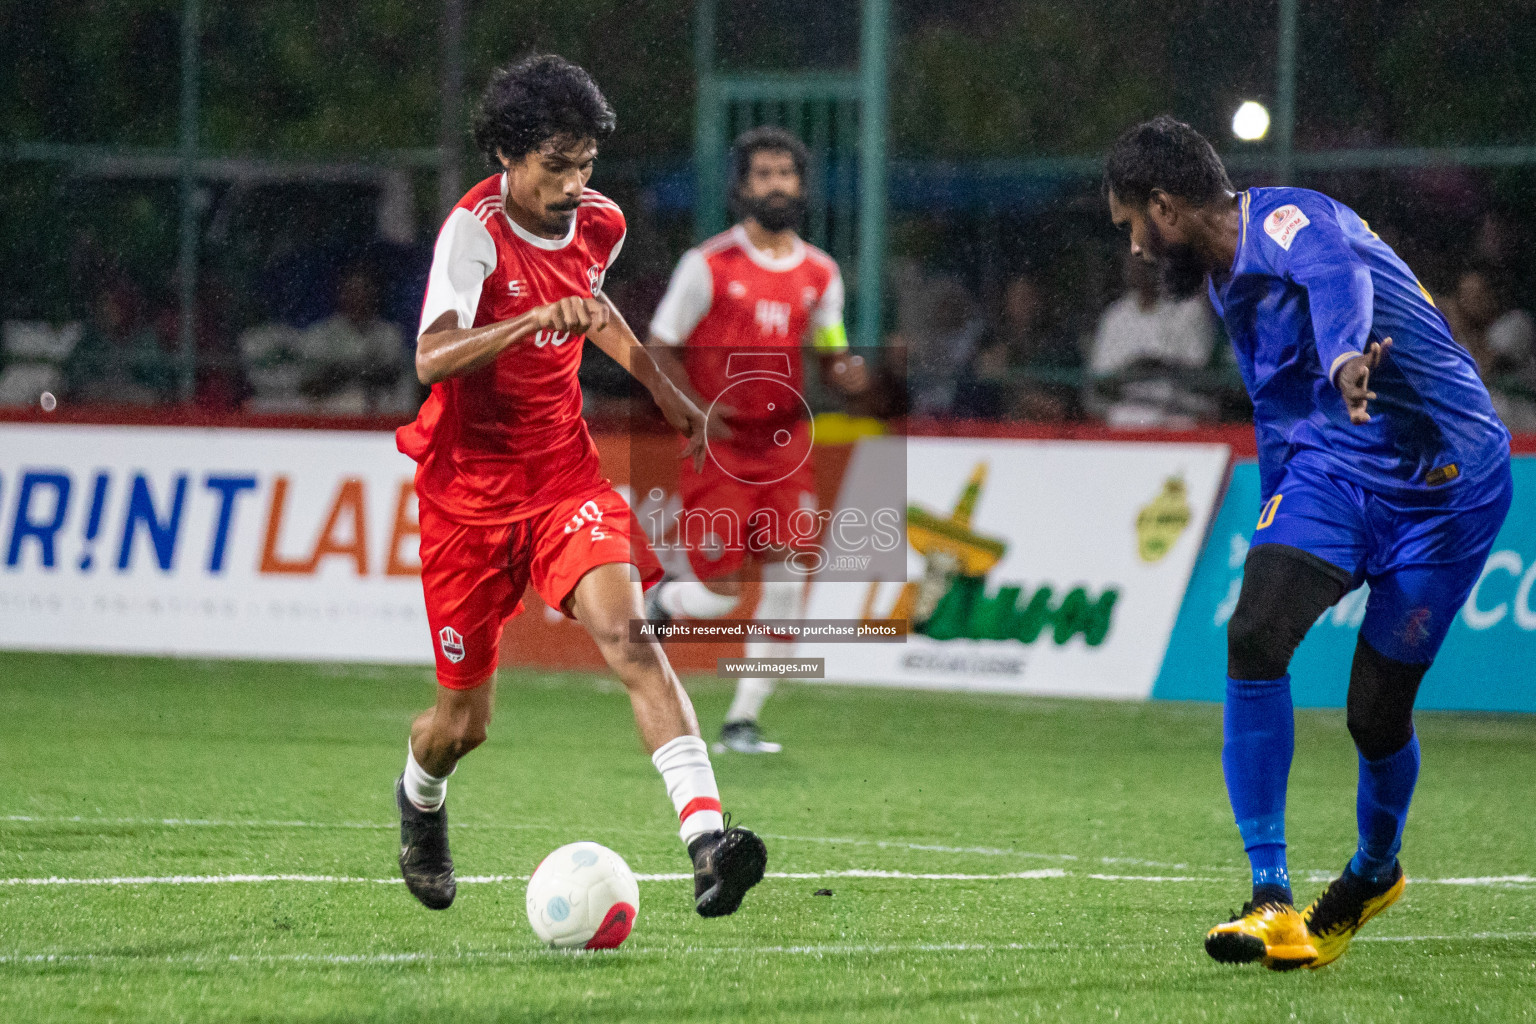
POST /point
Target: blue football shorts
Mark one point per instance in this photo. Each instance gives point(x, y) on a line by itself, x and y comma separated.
point(1421, 555)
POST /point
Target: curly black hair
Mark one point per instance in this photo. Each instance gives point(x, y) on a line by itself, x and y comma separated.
point(766, 138)
point(539, 98)
point(1168, 154)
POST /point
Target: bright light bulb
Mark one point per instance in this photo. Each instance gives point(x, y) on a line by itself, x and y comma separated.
point(1251, 122)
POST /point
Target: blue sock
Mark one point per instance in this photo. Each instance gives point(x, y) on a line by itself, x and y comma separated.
point(1259, 731)
point(1381, 809)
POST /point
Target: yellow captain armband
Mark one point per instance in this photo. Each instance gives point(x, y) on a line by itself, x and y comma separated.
point(830, 339)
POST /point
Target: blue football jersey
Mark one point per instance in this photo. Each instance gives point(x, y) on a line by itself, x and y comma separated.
point(1311, 286)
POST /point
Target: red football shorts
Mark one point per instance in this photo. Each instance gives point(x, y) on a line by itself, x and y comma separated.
point(725, 517)
point(474, 576)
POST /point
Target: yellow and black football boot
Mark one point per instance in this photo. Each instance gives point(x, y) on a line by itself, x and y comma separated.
point(1271, 932)
point(1335, 917)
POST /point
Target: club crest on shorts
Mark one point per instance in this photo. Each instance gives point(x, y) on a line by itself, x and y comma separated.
point(452, 643)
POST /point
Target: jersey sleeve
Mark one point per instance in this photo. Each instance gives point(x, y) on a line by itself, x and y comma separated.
point(688, 298)
point(1340, 294)
point(827, 331)
point(613, 254)
point(464, 257)
point(607, 223)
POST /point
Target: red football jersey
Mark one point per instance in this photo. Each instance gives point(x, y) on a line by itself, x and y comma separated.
point(743, 318)
point(729, 294)
point(507, 441)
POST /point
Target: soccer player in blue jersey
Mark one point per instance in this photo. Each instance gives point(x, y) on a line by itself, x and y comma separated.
point(1381, 460)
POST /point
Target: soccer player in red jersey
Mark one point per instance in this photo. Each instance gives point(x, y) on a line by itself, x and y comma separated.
point(738, 309)
point(507, 478)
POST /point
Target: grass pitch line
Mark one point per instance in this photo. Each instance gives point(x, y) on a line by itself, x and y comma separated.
point(984, 851)
point(251, 823)
point(828, 840)
point(194, 880)
point(879, 844)
point(519, 955)
point(1505, 881)
point(1486, 881)
point(530, 955)
point(504, 879)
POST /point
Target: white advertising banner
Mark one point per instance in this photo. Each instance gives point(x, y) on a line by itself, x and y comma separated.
point(1049, 567)
point(236, 543)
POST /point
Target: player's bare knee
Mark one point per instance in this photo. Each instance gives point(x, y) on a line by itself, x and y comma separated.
point(610, 633)
point(633, 660)
point(467, 734)
point(465, 729)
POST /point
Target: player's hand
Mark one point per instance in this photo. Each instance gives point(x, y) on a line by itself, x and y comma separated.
point(716, 427)
point(1354, 380)
point(849, 374)
point(688, 420)
point(573, 315)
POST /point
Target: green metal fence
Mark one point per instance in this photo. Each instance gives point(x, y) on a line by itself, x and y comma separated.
point(841, 118)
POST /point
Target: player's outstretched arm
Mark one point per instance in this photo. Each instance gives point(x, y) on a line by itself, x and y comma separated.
point(1354, 379)
point(671, 364)
point(616, 339)
point(446, 350)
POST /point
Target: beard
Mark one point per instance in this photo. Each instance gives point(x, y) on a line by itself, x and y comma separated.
point(1179, 265)
point(558, 216)
point(776, 211)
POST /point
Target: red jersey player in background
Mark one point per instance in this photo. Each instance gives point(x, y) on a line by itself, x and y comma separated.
point(508, 482)
point(739, 309)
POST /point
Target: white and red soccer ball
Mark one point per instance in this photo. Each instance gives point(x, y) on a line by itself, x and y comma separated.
point(583, 896)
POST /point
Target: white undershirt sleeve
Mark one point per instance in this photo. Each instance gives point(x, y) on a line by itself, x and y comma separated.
point(464, 257)
point(613, 254)
point(688, 298)
point(829, 311)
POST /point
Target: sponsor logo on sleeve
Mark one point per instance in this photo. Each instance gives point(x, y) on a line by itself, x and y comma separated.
point(1282, 225)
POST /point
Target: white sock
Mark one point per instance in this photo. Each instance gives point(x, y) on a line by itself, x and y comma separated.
point(693, 600)
point(426, 792)
point(783, 597)
point(690, 782)
point(751, 693)
point(783, 592)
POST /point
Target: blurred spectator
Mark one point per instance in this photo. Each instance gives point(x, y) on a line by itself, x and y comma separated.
point(938, 326)
point(354, 360)
point(118, 360)
point(218, 380)
point(1503, 341)
point(1022, 370)
point(1143, 353)
point(272, 354)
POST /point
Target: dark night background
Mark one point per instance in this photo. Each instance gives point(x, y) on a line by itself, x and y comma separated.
point(978, 89)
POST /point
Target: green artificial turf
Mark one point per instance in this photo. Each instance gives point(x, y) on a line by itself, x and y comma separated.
point(120, 767)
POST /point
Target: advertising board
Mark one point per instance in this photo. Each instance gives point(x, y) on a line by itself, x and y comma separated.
point(1053, 567)
point(1485, 664)
point(293, 544)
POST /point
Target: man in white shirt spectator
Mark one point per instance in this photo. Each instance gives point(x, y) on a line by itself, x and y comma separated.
point(1143, 352)
point(354, 359)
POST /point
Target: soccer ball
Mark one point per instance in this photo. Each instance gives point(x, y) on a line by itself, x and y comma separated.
point(583, 896)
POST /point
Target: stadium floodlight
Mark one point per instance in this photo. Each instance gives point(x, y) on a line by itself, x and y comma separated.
point(1251, 122)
